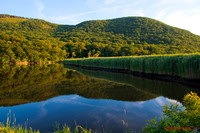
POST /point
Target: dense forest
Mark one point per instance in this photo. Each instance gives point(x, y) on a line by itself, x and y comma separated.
point(34, 40)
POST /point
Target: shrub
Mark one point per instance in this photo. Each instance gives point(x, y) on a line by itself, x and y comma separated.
point(178, 118)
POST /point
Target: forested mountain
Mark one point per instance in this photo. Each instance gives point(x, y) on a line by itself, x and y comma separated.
point(28, 40)
point(34, 40)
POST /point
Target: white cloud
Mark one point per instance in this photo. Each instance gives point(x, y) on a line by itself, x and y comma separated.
point(64, 99)
point(160, 101)
point(75, 18)
point(71, 18)
point(40, 7)
point(177, 1)
point(107, 2)
point(161, 14)
point(186, 21)
point(184, 14)
point(173, 101)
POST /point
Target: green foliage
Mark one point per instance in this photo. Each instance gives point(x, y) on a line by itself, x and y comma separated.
point(184, 66)
point(192, 111)
point(28, 40)
point(34, 40)
point(177, 119)
point(129, 36)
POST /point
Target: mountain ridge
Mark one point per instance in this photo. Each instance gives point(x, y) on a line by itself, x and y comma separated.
point(33, 40)
point(13, 16)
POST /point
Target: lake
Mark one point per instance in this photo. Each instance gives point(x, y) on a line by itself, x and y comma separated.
point(40, 95)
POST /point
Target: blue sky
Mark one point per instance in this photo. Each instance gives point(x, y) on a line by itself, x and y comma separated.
point(184, 14)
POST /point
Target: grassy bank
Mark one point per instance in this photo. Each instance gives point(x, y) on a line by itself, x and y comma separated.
point(183, 66)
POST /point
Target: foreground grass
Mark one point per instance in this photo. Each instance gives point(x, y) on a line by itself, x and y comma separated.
point(180, 65)
point(65, 129)
point(12, 128)
point(16, 130)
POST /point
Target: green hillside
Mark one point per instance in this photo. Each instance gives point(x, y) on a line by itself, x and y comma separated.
point(34, 40)
point(28, 40)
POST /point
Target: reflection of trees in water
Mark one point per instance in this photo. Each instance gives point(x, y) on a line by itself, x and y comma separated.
point(31, 83)
point(160, 88)
point(22, 84)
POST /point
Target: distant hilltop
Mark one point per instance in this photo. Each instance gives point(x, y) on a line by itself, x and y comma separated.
point(9, 16)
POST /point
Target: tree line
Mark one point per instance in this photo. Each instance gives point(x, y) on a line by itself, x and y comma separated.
point(35, 40)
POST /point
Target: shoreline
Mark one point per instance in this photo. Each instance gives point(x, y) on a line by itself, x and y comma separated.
point(28, 63)
point(162, 77)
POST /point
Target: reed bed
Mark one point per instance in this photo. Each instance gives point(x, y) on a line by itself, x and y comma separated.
point(183, 65)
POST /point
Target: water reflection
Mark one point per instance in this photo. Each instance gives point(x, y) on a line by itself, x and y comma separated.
point(91, 113)
point(159, 88)
point(24, 84)
point(44, 94)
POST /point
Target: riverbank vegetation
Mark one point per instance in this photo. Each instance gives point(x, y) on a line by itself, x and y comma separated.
point(177, 118)
point(8, 128)
point(64, 129)
point(34, 40)
point(182, 66)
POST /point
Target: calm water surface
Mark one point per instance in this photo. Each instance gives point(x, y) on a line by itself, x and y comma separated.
point(40, 95)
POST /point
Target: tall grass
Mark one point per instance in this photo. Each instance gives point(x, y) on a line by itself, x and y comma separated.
point(11, 127)
point(65, 129)
point(19, 129)
point(184, 66)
